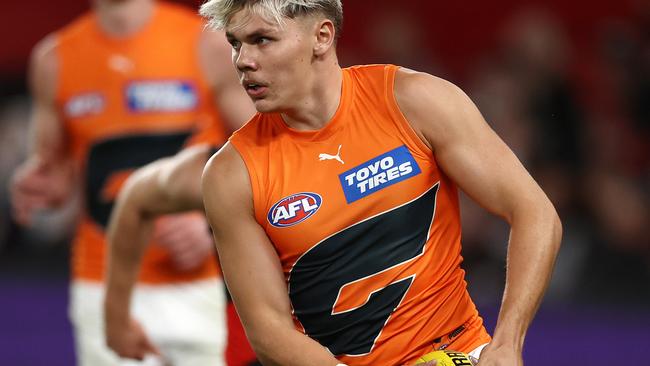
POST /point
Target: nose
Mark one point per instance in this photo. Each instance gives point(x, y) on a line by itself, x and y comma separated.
point(244, 59)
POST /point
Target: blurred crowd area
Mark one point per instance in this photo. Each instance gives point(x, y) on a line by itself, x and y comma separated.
point(565, 84)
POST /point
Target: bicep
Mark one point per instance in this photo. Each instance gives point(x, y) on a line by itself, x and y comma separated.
point(253, 274)
point(250, 264)
point(468, 150)
point(168, 185)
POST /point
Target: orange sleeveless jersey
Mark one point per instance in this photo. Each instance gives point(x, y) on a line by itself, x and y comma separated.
point(366, 226)
point(124, 103)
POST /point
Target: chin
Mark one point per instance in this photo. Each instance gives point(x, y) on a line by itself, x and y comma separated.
point(264, 106)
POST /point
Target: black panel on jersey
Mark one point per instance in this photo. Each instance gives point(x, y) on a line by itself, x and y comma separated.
point(359, 251)
point(119, 154)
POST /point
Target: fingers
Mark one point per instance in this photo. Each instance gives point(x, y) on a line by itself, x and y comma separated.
point(149, 348)
point(177, 240)
point(171, 225)
point(34, 186)
point(191, 259)
point(189, 253)
point(25, 203)
point(186, 238)
point(130, 342)
point(426, 363)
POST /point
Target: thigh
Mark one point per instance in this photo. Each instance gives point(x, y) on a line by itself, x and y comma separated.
point(186, 321)
point(87, 318)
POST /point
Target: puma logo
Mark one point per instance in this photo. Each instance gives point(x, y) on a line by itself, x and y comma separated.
point(336, 157)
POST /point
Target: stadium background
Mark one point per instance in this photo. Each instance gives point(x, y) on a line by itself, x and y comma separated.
point(565, 83)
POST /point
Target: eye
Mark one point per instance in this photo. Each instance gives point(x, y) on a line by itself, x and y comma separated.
point(262, 40)
point(236, 45)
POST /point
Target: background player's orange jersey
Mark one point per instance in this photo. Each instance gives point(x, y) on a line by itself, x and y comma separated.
point(125, 103)
point(366, 226)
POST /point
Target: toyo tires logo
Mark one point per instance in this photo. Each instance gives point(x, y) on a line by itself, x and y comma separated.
point(294, 209)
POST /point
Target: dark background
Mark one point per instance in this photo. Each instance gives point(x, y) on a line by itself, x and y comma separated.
point(565, 84)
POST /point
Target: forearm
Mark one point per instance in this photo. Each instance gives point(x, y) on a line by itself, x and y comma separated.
point(128, 236)
point(286, 346)
point(533, 247)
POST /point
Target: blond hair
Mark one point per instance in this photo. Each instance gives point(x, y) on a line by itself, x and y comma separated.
point(220, 12)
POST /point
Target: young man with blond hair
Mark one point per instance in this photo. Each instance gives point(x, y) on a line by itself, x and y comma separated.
point(356, 259)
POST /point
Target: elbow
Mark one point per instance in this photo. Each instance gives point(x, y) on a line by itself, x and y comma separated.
point(262, 344)
point(554, 227)
point(267, 336)
point(557, 230)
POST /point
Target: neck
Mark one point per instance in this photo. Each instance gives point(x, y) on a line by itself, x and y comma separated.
point(120, 18)
point(321, 100)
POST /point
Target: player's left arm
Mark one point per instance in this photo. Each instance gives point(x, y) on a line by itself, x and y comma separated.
point(481, 164)
point(166, 186)
point(234, 105)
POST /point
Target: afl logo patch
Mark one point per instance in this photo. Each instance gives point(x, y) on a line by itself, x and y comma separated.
point(294, 209)
point(85, 104)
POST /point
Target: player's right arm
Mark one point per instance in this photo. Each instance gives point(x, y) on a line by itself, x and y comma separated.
point(252, 269)
point(45, 179)
point(166, 186)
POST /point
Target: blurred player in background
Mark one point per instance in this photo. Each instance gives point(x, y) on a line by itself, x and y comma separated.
point(335, 209)
point(168, 185)
point(126, 84)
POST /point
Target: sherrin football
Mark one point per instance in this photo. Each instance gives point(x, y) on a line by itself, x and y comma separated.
point(446, 358)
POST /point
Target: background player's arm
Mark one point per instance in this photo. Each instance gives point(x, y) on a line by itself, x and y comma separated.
point(231, 100)
point(474, 157)
point(165, 186)
point(252, 269)
point(45, 179)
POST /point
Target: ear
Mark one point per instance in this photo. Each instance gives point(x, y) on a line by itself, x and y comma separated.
point(325, 34)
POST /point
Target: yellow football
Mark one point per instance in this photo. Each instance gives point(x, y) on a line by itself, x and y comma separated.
point(446, 358)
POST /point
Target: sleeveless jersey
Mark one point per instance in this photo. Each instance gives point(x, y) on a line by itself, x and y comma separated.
point(126, 102)
point(366, 227)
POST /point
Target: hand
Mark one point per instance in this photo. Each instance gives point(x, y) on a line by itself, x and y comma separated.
point(186, 237)
point(37, 185)
point(447, 357)
point(494, 355)
point(129, 341)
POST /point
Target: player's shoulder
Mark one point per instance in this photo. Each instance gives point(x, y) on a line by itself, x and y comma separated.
point(226, 166)
point(411, 84)
point(44, 51)
point(426, 95)
point(225, 181)
point(44, 64)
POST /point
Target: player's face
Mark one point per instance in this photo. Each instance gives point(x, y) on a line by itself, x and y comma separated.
point(273, 61)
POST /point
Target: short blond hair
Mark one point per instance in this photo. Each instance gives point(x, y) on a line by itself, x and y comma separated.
point(220, 12)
